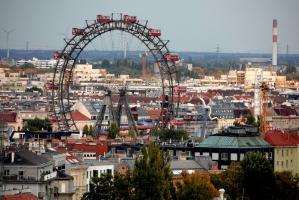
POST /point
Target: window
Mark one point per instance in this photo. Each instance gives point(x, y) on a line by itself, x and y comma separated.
point(277, 163)
point(109, 171)
point(241, 156)
point(95, 173)
point(281, 163)
point(215, 156)
point(205, 153)
point(282, 152)
point(62, 187)
point(21, 173)
point(287, 163)
point(224, 156)
point(6, 172)
point(270, 155)
point(234, 156)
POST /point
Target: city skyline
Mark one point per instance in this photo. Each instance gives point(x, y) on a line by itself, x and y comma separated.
point(194, 26)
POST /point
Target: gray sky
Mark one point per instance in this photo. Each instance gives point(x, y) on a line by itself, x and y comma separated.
point(190, 25)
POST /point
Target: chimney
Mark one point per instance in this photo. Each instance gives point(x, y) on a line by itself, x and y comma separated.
point(274, 43)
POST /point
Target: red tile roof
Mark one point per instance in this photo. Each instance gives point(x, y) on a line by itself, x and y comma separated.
point(77, 116)
point(99, 149)
point(61, 150)
point(282, 139)
point(24, 196)
point(243, 97)
point(8, 117)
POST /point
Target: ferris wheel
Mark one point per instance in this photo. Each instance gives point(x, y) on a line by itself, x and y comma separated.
point(82, 37)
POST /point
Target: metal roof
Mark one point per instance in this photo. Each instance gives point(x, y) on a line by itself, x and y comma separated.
point(185, 165)
point(234, 142)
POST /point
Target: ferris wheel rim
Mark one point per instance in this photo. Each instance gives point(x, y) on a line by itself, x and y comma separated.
point(93, 31)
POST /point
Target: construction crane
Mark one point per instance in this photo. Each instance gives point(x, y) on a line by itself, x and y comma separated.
point(264, 126)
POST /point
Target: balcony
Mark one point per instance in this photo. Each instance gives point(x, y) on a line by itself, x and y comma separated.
point(16, 178)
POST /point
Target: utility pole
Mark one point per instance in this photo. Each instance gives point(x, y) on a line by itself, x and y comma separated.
point(7, 32)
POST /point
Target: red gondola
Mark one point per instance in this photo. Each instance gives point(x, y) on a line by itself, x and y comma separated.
point(130, 19)
point(154, 32)
point(103, 19)
point(175, 122)
point(171, 57)
point(52, 87)
point(180, 89)
point(78, 31)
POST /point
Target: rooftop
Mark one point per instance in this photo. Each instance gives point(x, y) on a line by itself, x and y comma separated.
point(25, 157)
point(230, 141)
point(282, 139)
point(77, 116)
point(24, 196)
point(8, 117)
point(185, 165)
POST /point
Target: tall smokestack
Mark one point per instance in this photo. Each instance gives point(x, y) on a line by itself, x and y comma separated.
point(274, 43)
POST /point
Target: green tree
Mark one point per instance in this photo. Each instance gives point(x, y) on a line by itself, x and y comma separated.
point(258, 176)
point(34, 88)
point(250, 120)
point(166, 134)
point(85, 130)
point(287, 185)
point(90, 130)
point(291, 69)
point(113, 131)
point(196, 187)
point(106, 63)
point(230, 180)
point(152, 175)
point(37, 125)
point(123, 186)
point(237, 123)
point(100, 188)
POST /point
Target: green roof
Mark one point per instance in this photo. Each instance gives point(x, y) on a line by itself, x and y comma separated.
point(217, 141)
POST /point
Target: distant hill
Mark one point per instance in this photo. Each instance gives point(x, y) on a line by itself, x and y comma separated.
point(191, 57)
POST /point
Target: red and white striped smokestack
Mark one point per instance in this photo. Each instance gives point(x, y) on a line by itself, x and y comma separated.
point(274, 43)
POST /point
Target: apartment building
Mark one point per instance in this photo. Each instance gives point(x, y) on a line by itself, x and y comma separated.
point(286, 150)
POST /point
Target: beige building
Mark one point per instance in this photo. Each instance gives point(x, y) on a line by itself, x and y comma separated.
point(286, 151)
point(85, 73)
point(32, 114)
point(78, 172)
point(222, 123)
point(285, 122)
point(252, 75)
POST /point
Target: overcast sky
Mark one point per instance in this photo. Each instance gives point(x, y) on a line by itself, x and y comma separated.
point(190, 25)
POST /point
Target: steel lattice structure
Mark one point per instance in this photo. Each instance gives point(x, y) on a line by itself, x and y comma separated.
point(67, 58)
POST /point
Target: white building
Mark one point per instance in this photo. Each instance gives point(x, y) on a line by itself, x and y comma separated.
point(97, 168)
point(42, 64)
